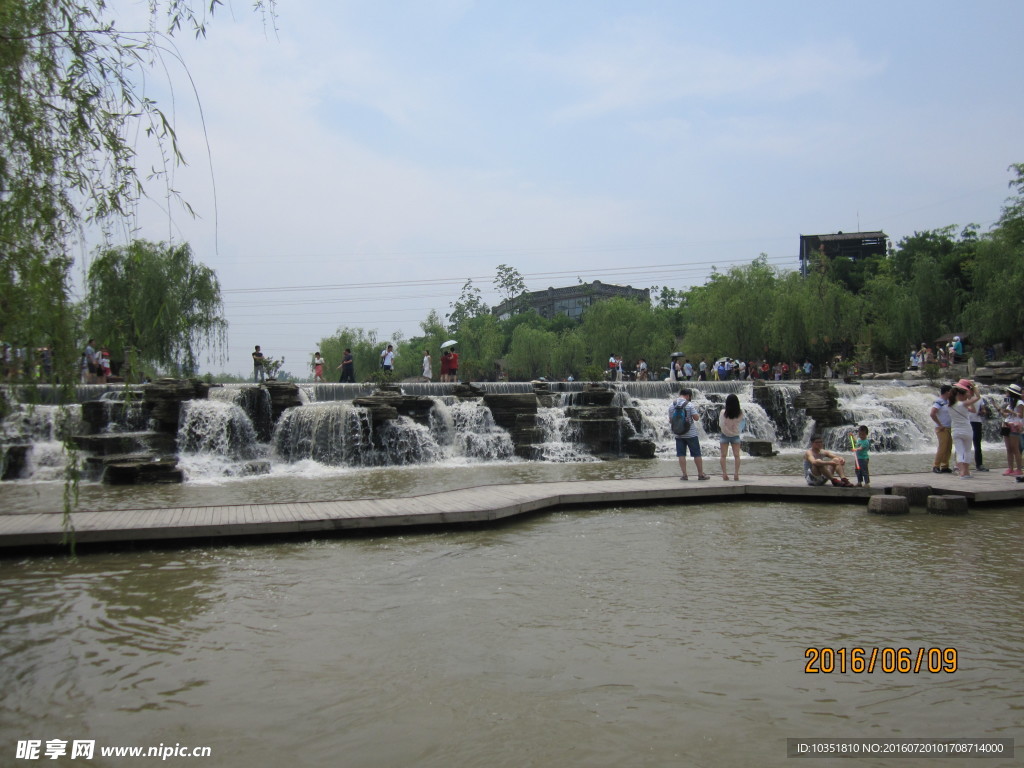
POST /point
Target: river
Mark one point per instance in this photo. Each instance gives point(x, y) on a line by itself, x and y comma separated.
point(647, 636)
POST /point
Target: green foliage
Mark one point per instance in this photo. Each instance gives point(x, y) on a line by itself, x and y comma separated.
point(569, 355)
point(365, 352)
point(728, 313)
point(481, 343)
point(509, 282)
point(155, 300)
point(381, 377)
point(529, 355)
point(813, 317)
point(625, 327)
point(470, 304)
point(995, 311)
point(893, 315)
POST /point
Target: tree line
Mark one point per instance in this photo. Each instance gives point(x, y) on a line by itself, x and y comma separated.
point(930, 284)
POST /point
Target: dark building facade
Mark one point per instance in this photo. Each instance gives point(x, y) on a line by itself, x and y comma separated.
point(847, 245)
point(570, 301)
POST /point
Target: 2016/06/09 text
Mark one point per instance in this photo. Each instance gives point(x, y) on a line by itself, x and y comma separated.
point(860, 660)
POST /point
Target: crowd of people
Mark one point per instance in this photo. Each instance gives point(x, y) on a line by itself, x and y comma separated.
point(958, 414)
point(21, 363)
point(942, 355)
point(681, 368)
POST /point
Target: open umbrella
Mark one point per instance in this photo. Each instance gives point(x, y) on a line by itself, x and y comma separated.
point(449, 343)
point(674, 355)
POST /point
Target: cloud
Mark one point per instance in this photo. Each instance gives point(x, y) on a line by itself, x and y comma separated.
point(637, 67)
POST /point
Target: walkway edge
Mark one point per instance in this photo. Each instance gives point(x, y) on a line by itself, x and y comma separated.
point(478, 505)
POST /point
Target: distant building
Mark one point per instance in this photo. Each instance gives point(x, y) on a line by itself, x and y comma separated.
point(846, 245)
point(570, 301)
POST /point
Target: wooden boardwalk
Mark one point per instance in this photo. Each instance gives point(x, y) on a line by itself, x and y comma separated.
point(481, 504)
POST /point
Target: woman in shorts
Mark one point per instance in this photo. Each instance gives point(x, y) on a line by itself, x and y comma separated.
point(730, 423)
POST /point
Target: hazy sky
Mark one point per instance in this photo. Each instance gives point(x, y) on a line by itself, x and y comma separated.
point(372, 156)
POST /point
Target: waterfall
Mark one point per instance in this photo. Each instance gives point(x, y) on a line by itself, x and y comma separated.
point(32, 440)
point(232, 432)
point(216, 428)
point(561, 441)
point(123, 411)
point(468, 427)
point(340, 434)
point(329, 433)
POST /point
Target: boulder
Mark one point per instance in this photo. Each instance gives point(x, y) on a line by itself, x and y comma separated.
point(759, 447)
point(819, 399)
point(12, 461)
point(143, 471)
point(162, 399)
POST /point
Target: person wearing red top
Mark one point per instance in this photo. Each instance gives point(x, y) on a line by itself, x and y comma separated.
point(453, 367)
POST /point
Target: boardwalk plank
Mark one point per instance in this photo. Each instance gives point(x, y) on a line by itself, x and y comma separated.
point(483, 503)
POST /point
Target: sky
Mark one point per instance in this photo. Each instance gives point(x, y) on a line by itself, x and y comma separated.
point(353, 163)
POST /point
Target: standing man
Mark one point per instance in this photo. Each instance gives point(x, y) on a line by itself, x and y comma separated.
point(940, 415)
point(703, 369)
point(259, 372)
point(348, 368)
point(683, 418)
point(387, 358)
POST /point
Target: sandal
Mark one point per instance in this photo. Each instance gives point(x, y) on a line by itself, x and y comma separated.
point(684, 477)
point(846, 483)
point(703, 477)
point(725, 476)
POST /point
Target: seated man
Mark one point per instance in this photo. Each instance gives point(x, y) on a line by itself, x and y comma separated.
point(821, 466)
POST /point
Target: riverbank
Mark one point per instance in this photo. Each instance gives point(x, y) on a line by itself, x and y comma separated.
point(187, 526)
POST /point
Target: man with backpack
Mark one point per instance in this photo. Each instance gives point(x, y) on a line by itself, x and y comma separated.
point(683, 418)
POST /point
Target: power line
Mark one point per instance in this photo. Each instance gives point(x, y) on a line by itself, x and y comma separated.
point(651, 270)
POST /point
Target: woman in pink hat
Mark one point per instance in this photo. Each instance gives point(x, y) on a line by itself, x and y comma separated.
point(961, 405)
point(1013, 426)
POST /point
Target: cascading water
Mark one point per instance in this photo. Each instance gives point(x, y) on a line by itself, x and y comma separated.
point(33, 437)
point(561, 441)
point(328, 433)
point(123, 412)
point(468, 428)
point(340, 434)
point(217, 437)
point(213, 437)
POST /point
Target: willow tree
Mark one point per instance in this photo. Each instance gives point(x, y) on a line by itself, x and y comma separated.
point(153, 305)
point(727, 314)
point(625, 327)
point(71, 105)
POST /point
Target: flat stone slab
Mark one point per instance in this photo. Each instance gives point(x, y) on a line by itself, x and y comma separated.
point(482, 504)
